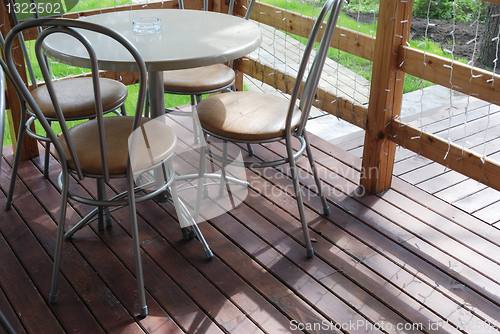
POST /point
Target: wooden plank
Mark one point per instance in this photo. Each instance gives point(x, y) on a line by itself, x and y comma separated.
point(442, 181)
point(464, 78)
point(460, 190)
point(479, 200)
point(385, 95)
point(450, 155)
point(489, 214)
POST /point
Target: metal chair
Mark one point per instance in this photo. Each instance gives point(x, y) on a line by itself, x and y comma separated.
point(113, 93)
point(201, 80)
point(249, 117)
point(102, 148)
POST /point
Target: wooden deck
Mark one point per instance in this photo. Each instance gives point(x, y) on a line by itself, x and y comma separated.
point(402, 259)
point(477, 130)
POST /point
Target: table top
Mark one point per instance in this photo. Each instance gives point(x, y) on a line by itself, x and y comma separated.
point(188, 38)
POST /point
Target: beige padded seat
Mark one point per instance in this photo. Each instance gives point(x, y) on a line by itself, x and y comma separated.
point(76, 97)
point(246, 115)
point(86, 141)
point(199, 79)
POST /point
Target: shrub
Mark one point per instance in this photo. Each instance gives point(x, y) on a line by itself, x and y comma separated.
point(465, 10)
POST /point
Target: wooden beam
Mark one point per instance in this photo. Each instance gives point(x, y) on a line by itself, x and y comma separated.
point(347, 40)
point(30, 145)
point(386, 94)
point(464, 78)
point(343, 108)
point(450, 155)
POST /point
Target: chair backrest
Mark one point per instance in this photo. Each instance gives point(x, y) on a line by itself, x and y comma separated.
point(311, 84)
point(73, 28)
point(15, 19)
point(231, 7)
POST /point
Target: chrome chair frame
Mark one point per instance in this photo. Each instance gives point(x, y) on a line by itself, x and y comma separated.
point(66, 26)
point(306, 101)
point(25, 126)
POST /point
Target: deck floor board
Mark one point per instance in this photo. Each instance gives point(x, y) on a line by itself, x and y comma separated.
point(404, 257)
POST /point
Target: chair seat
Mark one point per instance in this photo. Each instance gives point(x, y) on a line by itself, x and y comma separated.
point(76, 97)
point(246, 115)
point(160, 138)
point(199, 79)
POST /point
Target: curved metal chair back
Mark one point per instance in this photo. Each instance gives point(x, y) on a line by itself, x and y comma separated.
point(67, 27)
point(307, 94)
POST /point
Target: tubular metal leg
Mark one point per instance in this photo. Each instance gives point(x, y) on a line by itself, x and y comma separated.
point(300, 203)
point(250, 149)
point(223, 179)
point(195, 126)
point(184, 216)
point(146, 108)
point(103, 214)
point(201, 181)
point(17, 156)
point(143, 309)
point(59, 239)
point(4, 323)
point(326, 209)
point(123, 111)
point(47, 158)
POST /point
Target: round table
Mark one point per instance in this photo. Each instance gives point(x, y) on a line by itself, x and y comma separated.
point(188, 38)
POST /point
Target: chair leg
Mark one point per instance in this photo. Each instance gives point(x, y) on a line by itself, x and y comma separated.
point(184, 221)
point(4, 323)
point(146, 108)
point(103, 212)
point(223, 179)
point(17, 157)
point(250, 149)
point(123, 110)
point(300, 203)
point(196, 133)
point(47, 158)
point(201, 181)
point(59, 239)
point(326, 209)
point(143, 309)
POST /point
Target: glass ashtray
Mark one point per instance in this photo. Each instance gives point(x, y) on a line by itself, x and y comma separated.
point(146, 25)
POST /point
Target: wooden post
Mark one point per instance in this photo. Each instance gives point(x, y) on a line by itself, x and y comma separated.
point(386, 93)
point(30, 145)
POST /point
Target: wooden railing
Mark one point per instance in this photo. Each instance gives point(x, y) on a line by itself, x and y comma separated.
point(391, 60)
